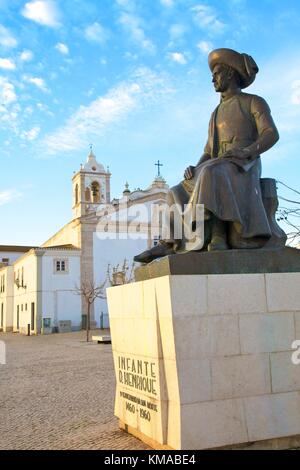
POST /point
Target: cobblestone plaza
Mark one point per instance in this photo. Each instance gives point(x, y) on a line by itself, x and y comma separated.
point(57, 392)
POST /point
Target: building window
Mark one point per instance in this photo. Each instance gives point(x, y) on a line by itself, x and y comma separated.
point(95, 186)
point(25, 307)
point(61, 266)
point(76, 194)
point(2, 283)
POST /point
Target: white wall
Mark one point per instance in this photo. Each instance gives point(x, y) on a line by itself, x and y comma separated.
point(56, 291)
point(6, 298)
point(59, 301)
point(24, 297)
point(111, 252)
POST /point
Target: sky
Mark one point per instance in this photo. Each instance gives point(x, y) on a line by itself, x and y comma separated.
point(130, 77)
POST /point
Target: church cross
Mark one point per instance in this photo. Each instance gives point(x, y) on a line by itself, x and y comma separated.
point(158, 164)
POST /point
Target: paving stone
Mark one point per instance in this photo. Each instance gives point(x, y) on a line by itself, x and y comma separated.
point(57, 392)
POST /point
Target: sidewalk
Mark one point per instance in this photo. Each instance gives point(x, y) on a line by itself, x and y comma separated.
point(57, 392)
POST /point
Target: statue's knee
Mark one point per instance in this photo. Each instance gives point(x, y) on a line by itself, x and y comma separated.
point(215, 171)
point(210, 172)
point(205, 172)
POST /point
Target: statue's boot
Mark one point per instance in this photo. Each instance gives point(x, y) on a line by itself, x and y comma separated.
point(219, 237)
point(161, 249)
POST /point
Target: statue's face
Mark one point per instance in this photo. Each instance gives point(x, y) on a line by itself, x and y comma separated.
point(221, 77)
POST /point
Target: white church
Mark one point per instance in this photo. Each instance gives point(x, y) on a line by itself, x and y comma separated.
point(38, 284)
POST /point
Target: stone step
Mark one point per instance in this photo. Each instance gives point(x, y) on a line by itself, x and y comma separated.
point(106, 339)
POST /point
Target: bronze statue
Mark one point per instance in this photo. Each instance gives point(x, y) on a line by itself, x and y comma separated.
point(226, 179)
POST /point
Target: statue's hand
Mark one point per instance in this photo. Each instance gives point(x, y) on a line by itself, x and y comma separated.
point(240, 154)
point(189, 172)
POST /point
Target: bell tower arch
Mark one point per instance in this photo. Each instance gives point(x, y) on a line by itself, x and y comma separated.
point(91, 187)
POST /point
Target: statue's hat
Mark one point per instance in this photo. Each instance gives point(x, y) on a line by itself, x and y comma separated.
point(244, 64)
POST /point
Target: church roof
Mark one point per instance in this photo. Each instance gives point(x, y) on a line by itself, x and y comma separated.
point(15, 248)
point(159, 182)
point(24, 249)
point(92, 165)
point(58, 247)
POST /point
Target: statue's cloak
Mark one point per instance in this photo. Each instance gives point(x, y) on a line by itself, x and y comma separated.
point(230, 188)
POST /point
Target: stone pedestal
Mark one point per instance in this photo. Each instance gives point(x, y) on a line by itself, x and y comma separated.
point(205, 361)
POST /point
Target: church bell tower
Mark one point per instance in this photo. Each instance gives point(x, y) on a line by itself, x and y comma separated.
point(91, 187)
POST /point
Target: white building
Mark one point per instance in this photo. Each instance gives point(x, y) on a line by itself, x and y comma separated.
point(6, 298)
point(39, 282)
point(38, 290)
point(8, 254)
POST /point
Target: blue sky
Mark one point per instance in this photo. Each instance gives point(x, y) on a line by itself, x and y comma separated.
point(131, 77)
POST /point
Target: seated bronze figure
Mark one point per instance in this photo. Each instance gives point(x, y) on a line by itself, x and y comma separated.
point(239, 206)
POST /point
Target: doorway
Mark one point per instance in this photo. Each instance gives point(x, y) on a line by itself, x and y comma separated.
point(32, 316)
point(18, 317)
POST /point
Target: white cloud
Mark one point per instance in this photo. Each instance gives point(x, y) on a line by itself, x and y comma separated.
point(7, 91)
point(37, 81)
point(9, 107)
point(132, 24)
point(6, 38)
point(26, 56)
point(62, 48)
point(93, 120)
point(9, 195)
point(295, 98)
point(206, 18)
point(9, 110)
point(177, 31)
point(129, 4)
point(96, 33)
point(178, 57)
point(41, 106)
point(167, 3)
point(28, 110)
point(32, 134)
point(44, 12)
point(130, 55)
point(205, 47)
point(7, 64)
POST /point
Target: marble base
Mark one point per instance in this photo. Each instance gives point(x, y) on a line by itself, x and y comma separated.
point(282, 443)
point(205, 361)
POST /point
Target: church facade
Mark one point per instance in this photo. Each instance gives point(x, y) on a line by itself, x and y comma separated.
point(38, 284)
